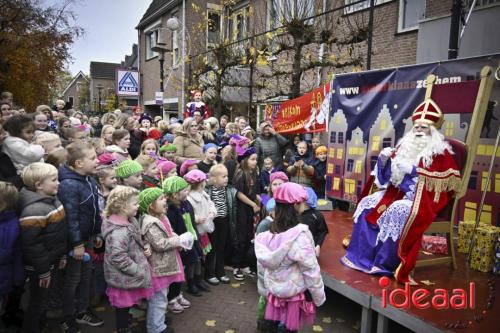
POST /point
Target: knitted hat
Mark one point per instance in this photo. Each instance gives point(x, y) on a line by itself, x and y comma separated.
point(290, 193)
point(168, 147)
point(312, 198)
point(186, 165)
point(128, 168)
point(321, 150)
point(147, 197)
point(168, 138)
point(278, 175)
point(208, 146)
point(174, 184)
point(106, 159)
point(246, 153)
point(164, 167)
point(195, 176)
point(145, 117)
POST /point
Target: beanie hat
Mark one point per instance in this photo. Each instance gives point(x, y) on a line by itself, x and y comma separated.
point(186, 165)
point(208, 146)
point(147, 197)
point(145, 117)
point(164, 167)
point(195, 176)
point(312, 198)
point(321, 150)
point(168, 147)
point(106, 159)
point(278, 175)
point(128, 168)
point(169, 137)
point(246, 153)
point(290, 193)
point(174, 184)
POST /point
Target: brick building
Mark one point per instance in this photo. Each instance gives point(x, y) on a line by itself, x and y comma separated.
point(102, 83)
point(76, 93)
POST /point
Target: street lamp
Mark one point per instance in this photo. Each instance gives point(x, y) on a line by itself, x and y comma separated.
point(99, 89)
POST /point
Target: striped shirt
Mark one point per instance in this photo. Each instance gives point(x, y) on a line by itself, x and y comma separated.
point(220, 200)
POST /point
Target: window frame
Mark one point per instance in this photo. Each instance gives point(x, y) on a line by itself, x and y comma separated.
point(348, 10)
point(280, 18)
point(152, 29)
point(400, 17)
point(219, 10)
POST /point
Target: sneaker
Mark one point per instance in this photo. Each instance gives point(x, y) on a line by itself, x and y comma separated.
point(175, 307)
point(89, 318)
point(213, 281)
point(248, 271)
point(238, 275)
point(183, 302)
point(224, 279)
point(69, 326)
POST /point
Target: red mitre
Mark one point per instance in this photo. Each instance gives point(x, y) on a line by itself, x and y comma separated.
point(428, 112)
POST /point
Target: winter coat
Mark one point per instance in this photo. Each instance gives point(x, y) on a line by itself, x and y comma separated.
point(8, 172)
point(270, 146)
point(232, 210)
point(80, 198)
point(125, 264)
point(44, 231)
point(188, 147)
point(21, 152)
point(202, 205)
point(299, 175)
point(315, 220)
point(11, 255)
point(163, 258)
point(319, 180)
point(289, 263)
point(174, 214)
point(118, 153)
point(135, 143)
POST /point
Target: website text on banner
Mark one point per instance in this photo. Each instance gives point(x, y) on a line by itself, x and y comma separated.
point(305, 114)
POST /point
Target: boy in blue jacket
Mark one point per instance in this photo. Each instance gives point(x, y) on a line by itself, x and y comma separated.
point(79, 196)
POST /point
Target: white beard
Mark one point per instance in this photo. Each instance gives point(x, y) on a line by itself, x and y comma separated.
point(412, 149)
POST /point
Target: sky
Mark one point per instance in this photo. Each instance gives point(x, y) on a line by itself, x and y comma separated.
point(109, 30)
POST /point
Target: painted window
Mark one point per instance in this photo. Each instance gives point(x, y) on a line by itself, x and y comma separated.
point(449, 129)
point(484, 180)
point(376, 143)
point(333, 137)
point(472, 180)
point(336, 183)
point(497, 183)
point(341, 137)
point(330, 168)
point(357, 168)
point(337, 169)
point(350, 165)
point(383, 124)
point(470, 211)
point(340, 153)
point(350, 186)
point(387, 142)
point(486, 214)
point(331, 154)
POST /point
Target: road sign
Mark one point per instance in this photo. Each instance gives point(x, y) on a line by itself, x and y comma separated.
point(159, 97)
point(127, 83)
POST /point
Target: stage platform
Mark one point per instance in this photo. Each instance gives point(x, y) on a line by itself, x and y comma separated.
point(364, 289)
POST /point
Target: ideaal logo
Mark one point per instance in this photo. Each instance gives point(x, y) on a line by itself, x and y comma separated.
point(421, 298)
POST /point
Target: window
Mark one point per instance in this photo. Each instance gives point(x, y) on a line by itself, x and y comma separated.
point(376, 143)
point(410, 12)
point(470, 211)
point(333, 137)
point(330, 168)
point(484, 180)
point(151, 38)
point(280, 10)
point(337, 169)
point(350, 165)
point(472, 180)
point(336, 184)
point(340, 153)
point(332, 153)
point(238, 24)
point(448, 128)
point(214, 24)
point(341, 137)
point(486, 214)
point(360, 6)
point(349, 186)
point(373, 162)
point(383, 124)
point(357, 168)
point(497, 183)
point(359, 188)
point(386, 142)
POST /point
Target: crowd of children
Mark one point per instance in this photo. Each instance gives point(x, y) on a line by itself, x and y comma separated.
point(140, 224)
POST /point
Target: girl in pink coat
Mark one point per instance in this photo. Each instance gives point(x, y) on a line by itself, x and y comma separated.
point(286, 255)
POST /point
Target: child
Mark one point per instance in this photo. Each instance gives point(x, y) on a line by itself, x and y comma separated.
point(99, 146)
point(166, 169)
point(57, 157)
point(11, 263)
point(210, 152)
point(41, 122)
point(165, 259)
point(49, 141)
point(319, 178)
point(187, 166)
point(18, 144)
point(150, 172)
point(204, 213)
point(181, 216)
point(80, 198)
point(150, 147)
point(224, 198)
point(315, 143)
point(247, 184)
point(265, 173)
point(167, 151)
point(121, 143)
point(314, 220)
point(106, 178)
point(291, 270)
point(43, 234)
point(126, 268)
point(300, 166)
point(129, 173)
point(107, 134)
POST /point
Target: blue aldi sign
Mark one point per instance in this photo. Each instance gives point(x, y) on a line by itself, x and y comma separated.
point(127, 83)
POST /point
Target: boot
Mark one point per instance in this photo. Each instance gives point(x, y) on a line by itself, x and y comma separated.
point(192, 288)
point(201, 284)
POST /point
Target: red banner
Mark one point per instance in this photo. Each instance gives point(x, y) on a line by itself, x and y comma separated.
point(305, 114)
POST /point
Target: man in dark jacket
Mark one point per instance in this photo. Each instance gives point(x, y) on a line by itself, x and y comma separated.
point(269, 144)
point(79, 196)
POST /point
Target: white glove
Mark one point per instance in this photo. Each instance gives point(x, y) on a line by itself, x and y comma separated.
point(406, 167)
point(385, 154)
point(187, 240)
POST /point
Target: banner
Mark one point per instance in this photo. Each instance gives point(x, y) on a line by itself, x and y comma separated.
point(372, 110)
point(305, 114)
